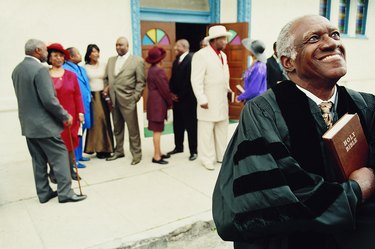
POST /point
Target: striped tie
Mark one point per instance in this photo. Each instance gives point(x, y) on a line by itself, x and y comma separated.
point(325, 108)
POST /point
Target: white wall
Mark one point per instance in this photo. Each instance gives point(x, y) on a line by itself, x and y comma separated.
point(228, 11)
point(69, 22)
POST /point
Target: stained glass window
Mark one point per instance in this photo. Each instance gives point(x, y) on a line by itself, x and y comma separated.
point(360, 26)
point(156, 37)
point(325, 8)
point(344, 16)
point(234, 39)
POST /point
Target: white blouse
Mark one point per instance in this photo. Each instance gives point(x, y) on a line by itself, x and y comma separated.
point(96, 76)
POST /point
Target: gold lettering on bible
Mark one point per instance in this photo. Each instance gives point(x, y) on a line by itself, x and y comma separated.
point(350, 141)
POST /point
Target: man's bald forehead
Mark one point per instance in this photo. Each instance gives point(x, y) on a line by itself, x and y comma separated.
point(122, 39)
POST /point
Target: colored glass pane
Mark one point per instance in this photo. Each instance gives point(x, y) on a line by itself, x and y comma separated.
point(156, 36)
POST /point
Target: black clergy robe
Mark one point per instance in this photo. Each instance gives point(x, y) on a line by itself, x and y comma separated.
point(277, 187)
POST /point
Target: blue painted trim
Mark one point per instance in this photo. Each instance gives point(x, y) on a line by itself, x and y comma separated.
point(136, 27)
point(244, 12)
point(328, 10)
point(167, 15)
point(215, 10)
point(364, 20)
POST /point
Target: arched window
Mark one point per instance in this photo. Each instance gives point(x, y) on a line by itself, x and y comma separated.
point(155, 37)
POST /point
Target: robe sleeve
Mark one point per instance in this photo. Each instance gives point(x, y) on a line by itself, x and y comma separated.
point(262, 191)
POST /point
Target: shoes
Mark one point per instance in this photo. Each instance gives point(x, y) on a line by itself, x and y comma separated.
point(135, 161)
point(175, 151)
point(84, 159)
point(102, 155)
point(209, 166)
point(73, 198)
point(74, 176)
point(193, 156)
point(81, 165)
point(114, 157)
point(51, 195)
point(161, 161)
point(163, 156)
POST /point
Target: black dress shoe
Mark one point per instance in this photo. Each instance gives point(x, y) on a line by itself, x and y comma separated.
point(175, 151)
point(74, 176)
point(163, 156)
point(161, 161)
point(114, 157)
point(102, 155)
point(73, 198)
point(193, 156)
point(51, 195)
point(135, 161)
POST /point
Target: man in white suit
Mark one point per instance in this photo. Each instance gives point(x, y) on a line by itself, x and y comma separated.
point(210, 82)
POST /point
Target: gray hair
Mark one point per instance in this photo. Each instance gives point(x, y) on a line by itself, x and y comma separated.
point(285, 42)
point(184, 43)
point(31, 45)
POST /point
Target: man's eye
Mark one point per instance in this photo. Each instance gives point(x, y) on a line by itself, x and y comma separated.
point(335, 35)
point(313, 38)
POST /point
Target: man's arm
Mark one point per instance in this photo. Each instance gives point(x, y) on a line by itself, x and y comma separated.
point(140, 80)
point(198, 71)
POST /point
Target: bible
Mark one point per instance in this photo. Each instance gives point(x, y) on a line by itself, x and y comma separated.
point(347, 144)
point(240, 88)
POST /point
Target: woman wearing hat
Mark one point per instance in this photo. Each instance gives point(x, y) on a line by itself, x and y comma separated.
point(69, 95)
point(158, 100)
point(255, 77)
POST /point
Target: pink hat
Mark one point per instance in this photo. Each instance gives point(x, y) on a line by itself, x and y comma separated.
point(155, 54)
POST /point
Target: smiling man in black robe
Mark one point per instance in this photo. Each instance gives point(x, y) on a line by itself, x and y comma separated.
point(278, 187)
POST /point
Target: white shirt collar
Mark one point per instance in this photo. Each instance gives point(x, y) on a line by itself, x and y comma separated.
point(183, 56)
point(315, 98)
point(123, 57)
point(29, 56)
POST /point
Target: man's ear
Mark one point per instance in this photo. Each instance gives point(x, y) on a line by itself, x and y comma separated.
point(287, 63)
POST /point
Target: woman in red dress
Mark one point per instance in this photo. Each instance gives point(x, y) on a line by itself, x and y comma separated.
point(68, 93)
point(158, 100)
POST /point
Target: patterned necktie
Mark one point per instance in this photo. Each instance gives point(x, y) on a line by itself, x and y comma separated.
point(325, 108)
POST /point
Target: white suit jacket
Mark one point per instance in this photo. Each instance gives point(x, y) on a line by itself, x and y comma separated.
point(210, 82)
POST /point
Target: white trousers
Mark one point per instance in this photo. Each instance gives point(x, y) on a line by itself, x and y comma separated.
point(212, 141)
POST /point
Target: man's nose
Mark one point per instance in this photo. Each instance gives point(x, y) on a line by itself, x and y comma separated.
point(330, 43)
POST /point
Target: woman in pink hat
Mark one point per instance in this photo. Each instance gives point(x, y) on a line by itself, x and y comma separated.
point(69, 95)
point(158, 100)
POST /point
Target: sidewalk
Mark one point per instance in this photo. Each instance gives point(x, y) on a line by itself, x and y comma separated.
point(126, 204)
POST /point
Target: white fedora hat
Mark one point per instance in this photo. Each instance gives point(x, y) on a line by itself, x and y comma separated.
point(217, 31)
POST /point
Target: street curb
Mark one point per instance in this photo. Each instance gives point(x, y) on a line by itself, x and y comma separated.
point(185, 232)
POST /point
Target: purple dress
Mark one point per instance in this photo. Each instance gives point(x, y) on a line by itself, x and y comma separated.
point(255, 81)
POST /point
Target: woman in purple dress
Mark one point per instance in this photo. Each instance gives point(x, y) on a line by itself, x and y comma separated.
point(159, 100)
point(255, 77)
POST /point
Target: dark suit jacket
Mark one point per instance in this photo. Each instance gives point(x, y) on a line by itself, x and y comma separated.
point(130, 81)
point(274, 72)
point(180, 83)
point(39, 111)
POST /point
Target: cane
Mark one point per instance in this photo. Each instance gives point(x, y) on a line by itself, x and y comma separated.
point(74, 160)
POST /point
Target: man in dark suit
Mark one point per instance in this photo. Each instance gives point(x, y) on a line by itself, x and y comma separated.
point(184, 101)
point(274, 71)
point(126, 81)
point(42, 119)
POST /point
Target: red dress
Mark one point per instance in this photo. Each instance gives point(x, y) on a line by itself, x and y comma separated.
point(69, 95)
